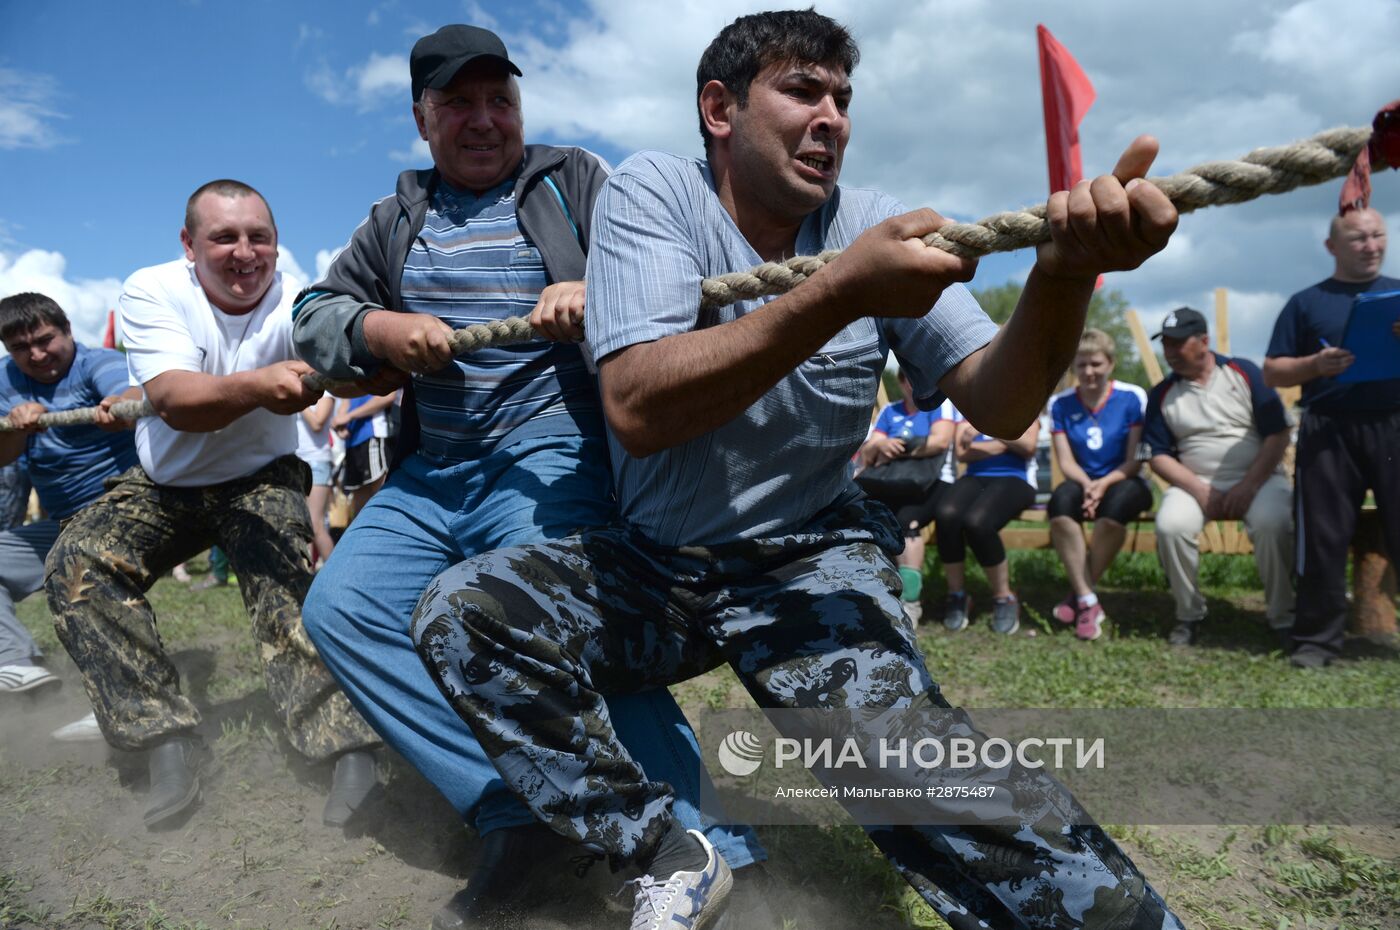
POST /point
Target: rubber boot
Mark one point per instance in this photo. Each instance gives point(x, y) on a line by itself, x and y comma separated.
point(174, 780)
point(354, 778)
point(517, 867)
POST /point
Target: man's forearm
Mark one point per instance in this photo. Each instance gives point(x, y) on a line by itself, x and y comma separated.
point(1029, 356)
point(12, 446)
point(1266, 462)
point(372, 406)
point(663, 393)
point(1175, 473)
point(194, 402)
point(1286, 371)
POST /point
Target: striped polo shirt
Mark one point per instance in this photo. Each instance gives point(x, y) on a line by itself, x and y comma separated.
point(68, 464)
point(471, 263)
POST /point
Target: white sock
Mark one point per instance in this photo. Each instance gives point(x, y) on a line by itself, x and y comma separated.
point(1088, 600)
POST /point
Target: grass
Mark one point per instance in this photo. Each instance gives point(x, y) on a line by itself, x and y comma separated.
point(1242, 876)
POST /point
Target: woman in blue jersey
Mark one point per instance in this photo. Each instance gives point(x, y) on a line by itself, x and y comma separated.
point(1097, 426)
point(998, 484)
point(904, 431)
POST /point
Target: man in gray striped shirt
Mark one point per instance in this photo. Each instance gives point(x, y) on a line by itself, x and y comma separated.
point(743, 539)
point(501, 447)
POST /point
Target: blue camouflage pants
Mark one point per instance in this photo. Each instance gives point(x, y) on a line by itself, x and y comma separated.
point(526, 641)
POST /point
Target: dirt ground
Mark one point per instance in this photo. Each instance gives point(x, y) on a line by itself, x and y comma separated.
point(254, 853)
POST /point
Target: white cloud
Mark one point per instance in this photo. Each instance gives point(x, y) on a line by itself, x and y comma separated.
point(26, 110)
point(416, 154)
point(295, 278)
point(380, 79)
point(1346, 50)
point(947, 110)
point(324, 257)
point(85, 301)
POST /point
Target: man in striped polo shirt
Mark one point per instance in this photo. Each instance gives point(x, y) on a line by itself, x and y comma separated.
point(48, 371)
point(499, 448)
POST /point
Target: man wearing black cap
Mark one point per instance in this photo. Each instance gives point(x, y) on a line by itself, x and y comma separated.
point(498, 448)
point(1349, 439)
point(1218, 435)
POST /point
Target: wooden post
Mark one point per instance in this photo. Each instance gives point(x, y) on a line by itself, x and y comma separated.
point(1144, 346)
point(882, 400)
point(1222, 321)
point(1373, 580)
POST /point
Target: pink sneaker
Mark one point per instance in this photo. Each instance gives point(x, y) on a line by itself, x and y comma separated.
point(1088, 623)
point(1066, 609)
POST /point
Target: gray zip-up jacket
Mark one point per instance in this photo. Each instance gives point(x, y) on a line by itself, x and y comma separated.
point(329, 327)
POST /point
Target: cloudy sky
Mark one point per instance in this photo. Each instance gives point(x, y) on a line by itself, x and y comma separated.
point(110, 114)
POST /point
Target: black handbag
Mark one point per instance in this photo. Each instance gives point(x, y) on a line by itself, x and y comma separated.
point(902, 481)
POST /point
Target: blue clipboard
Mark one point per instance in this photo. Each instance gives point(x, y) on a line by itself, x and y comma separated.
point(1369, 337)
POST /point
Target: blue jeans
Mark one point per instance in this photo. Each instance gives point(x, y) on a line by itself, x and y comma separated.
point(22, 553)
point(429, 516)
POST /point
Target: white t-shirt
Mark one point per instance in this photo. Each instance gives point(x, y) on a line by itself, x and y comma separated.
point(313, 447)
point(169, 325)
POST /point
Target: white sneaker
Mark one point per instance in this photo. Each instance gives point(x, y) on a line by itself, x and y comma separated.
point(914, 610)
point(17, 678)
point(79, 731)
point(686, 900)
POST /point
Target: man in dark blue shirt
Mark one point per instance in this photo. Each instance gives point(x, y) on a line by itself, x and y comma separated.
point(1349, 439)
point(48, 371)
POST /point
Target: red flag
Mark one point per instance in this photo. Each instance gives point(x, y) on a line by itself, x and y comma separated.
point(109, 338)
point(1067, 95)
point(1384, 149)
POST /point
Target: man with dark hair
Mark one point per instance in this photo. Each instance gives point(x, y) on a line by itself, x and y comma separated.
point(209, 338)
point(1349, 438)
point(1217, 434)
point(498, 448)
point(743, 537)
point(47, 372)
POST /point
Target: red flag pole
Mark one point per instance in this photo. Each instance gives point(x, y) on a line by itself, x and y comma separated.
point(1066, 95)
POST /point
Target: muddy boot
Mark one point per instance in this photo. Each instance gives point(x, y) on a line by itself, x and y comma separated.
point(355, 777)
point(174, 780)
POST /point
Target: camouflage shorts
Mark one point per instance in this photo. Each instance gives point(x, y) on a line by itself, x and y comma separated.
point(526, 641)
point(111, 552)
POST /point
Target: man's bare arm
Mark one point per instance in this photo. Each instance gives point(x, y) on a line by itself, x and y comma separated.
point(1236, 501)
point(1178, 475)
point(195, 402)
point(659, 394)
point(1113, 223)
point(1288, 371)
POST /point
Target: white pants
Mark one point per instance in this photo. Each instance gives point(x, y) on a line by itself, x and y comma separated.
point(1269, 523)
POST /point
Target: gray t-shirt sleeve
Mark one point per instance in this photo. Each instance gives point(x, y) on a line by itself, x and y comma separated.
point(929, 347)
point(644, 272)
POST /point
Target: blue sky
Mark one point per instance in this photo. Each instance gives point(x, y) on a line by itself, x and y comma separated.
point(110, 114)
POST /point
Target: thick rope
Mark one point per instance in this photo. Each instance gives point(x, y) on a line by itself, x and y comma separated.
point(83, 416)
point(1324, 157)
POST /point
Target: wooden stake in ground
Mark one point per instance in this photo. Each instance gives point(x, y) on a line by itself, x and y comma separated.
point(1222, 321)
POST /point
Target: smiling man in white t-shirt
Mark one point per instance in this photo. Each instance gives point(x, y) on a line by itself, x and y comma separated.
point(209, 338)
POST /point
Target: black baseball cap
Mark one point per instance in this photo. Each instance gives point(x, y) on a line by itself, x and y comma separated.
point(437, 58)
point(1183, 322)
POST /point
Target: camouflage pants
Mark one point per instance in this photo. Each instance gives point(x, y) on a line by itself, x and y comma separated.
point(525, 642)
point(114, 549)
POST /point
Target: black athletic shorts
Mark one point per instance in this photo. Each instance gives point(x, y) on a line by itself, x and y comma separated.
point(1122, 502)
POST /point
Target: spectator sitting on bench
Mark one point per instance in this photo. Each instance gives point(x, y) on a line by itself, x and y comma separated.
point(1097, 426)
point(1218, 434)
point(999, 483)
point(903, 432)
